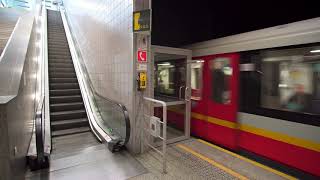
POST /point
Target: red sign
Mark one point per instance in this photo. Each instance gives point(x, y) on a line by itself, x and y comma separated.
point(142, 56)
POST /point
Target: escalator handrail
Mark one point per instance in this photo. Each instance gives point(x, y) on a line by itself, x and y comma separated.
point(125, 114)
point(92, 89)
point(39, 131)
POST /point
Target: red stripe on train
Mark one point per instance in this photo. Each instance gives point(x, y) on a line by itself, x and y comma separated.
point(291, 155)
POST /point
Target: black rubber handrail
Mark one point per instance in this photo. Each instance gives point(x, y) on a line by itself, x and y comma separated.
point(39, 133)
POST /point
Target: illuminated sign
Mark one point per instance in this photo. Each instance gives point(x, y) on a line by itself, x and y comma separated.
point(141, 21)
point(142, 56)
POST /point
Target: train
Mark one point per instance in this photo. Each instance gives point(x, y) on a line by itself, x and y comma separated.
point(259, 92)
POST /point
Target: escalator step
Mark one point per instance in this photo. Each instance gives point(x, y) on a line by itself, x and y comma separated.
point(59, 51)
point(66, 106)
point(60, 65)
point(58, 44)
point(54, 86)
point(65, 115)
point(63, 80)
point(61, 69)
point(59, 57)
point(69, 124)
point(63, 61)
point(65, 99)
point(54, 38)
point(62, 75)
point(55, 47)
point(62, 46)
point(70, 131)
point(65, 92)
point(60, 33)
point(55, 30)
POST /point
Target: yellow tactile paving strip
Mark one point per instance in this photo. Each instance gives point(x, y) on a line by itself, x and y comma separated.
point(249, 161)
point(195, 159)
point(232, 163)
point(212, 162)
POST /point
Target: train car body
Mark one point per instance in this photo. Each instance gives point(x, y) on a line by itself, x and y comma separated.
point(260, 92)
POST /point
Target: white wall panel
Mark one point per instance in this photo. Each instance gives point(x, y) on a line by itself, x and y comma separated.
point(103, 31)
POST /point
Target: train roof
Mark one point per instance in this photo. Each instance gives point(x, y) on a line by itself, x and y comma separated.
point(301, 32)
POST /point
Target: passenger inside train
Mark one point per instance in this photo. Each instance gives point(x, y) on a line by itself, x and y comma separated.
point(291, 80)
point(221, 72)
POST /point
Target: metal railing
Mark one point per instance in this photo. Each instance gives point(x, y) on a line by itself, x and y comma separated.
point(45, 82)
point(164, 133)
point(40, 149)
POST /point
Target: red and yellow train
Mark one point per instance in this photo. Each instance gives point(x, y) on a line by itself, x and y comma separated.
point(260, 92)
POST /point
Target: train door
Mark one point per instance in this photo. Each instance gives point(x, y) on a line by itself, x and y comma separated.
point(221, 78)
point(172, 85)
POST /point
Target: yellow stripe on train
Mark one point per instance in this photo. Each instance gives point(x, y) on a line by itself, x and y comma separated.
point(254, 130)
point(281, 137)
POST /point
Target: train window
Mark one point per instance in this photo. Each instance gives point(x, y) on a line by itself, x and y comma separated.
point(165, 78)
point(221, 72)
point(196, 79)
point(170, 76)
point(291, 79)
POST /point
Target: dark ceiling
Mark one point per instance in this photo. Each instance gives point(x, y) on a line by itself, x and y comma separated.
point(179, 22)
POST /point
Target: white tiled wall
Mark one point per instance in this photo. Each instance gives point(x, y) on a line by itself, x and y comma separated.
point(103, 31)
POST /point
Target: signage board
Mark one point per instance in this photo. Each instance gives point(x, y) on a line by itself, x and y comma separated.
point(142, 80)
point(141, 21)
point(142, 56)
point(141, 67)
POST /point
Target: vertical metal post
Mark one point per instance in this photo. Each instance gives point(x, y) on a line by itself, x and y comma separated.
point(164, 146)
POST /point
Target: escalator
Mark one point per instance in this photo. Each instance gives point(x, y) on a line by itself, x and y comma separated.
point(67, 112)
point(72, 119)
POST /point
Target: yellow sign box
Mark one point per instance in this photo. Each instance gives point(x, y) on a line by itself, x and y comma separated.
point(136, 25)
point(143, 80)
point(141, 20)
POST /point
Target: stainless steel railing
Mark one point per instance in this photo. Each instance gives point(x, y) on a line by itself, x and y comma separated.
point(40, 146)
point(163, 153)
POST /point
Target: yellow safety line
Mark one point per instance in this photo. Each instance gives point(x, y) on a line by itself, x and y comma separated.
point(250, 161)
point(212, 162)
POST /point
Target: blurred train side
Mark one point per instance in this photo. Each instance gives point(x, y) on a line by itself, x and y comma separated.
point(291, 138)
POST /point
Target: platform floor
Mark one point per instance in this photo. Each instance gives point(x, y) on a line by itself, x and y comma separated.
point(82, 157)
point(195, 159)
